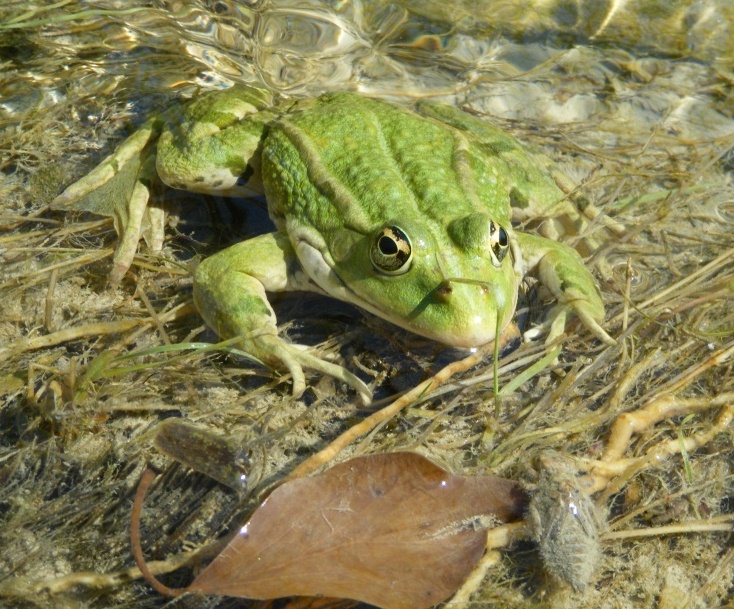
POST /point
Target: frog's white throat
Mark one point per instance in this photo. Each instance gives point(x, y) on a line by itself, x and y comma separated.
point(321, 273)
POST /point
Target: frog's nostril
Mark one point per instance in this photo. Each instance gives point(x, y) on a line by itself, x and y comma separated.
point(443, 291)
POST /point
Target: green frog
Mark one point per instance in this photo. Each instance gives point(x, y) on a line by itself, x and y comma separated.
point(407, 213)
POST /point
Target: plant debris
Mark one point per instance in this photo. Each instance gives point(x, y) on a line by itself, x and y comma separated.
point(393, 530)
point(641, 123)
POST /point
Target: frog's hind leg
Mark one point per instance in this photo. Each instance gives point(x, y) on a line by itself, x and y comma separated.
point(213, 145)
point(229, 292)
point(118, 188)
point(209, 145)
point(578, 223)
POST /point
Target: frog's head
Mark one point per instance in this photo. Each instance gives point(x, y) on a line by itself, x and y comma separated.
point(453, 283)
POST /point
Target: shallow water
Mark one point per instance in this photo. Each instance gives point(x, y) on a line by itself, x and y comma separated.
point(633, 100)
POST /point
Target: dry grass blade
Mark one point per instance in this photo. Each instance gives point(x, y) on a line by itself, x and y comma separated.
point(335, 447)
point(645, 136)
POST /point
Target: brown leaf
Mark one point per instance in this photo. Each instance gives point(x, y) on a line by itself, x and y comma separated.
point(393, 530)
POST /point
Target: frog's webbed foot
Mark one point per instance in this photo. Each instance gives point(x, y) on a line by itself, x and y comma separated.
point(117, 188)
point(229, 292)
point(297, 357)
point(561, 269)
point(555, 323)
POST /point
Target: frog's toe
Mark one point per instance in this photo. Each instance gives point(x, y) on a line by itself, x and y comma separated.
point(154, 233)
point(338, 372)
point(130, 232)
point(552, 327)
point(290, 361)
point(554, 324)
point(297, 357)
point(585, 302)
point(594, 326)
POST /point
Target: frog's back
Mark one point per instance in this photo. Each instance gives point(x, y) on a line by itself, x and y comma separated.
point(376, 162)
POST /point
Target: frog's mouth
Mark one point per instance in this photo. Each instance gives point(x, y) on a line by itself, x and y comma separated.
point(459, 312)
point(489, 312)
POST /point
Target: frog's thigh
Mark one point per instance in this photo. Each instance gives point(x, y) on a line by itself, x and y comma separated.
point(561, 269)
point(214, 147)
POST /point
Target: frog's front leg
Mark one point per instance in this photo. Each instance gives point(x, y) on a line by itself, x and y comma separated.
point(562, 270)
point(229, 292)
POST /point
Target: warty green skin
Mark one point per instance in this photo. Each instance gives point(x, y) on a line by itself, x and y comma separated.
point(336, 171)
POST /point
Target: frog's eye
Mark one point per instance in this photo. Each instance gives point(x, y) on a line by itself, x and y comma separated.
point(390, 251)
point(499, 243)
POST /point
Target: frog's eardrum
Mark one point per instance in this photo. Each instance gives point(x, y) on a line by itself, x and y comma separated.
point(394, 530)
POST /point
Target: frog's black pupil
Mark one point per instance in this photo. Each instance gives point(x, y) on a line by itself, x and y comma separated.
point(388, 246)
point(503, 237)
